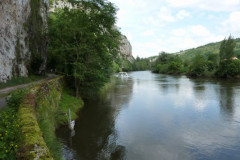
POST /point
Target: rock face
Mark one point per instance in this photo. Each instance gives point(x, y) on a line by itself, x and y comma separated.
point(23, 24)
point(126, 49)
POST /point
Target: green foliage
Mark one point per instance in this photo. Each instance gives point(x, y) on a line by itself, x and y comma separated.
point(212, 48)
point(68, 102)
point(116, 68)
point(15, 98)
point(202, 61)
point(32, 135)
point(199, 66)
point(174, 67)
point(47, 98)
point(20, 80)
point(10, 134)
point(228, 68)
point(126, 65)
point(169, 64)
point(227, 48)
point(83, 43)
point(141, 64)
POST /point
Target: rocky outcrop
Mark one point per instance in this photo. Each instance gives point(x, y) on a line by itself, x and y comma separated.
point(126, 49)
point(23, 25)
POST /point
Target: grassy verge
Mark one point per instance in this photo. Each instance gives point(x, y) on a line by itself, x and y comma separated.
point(20, 80)
point(68, 101)
point(10, 134)
point(27, 126)
point(53, 104)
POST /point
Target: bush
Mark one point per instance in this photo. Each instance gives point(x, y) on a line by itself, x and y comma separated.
point(198, 66)
point(174, 67)
point(228, 68)
point(162, 68)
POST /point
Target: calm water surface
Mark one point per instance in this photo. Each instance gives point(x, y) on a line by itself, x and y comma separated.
point(152, 117)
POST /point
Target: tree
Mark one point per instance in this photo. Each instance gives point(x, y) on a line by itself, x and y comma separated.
point(198, 66)
point(213, 61)
point(228, 68)
point(84, 42)
point(227, 48)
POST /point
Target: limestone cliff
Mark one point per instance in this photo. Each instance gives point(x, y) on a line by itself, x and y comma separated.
point(23, 40)
point(126, 49)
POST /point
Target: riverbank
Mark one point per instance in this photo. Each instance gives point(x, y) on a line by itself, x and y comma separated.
point(42, 108)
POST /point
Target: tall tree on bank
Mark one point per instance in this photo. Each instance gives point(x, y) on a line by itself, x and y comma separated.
point(83, 43)
point(227, 48)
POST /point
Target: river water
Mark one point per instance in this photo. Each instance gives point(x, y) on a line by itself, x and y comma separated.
point(159, 117)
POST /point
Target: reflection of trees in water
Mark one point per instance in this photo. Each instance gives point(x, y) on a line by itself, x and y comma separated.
point(95, 134)
point(226, 98)
point(96, 137)
point(199, 89)
point(121, 94)
point(169, 83)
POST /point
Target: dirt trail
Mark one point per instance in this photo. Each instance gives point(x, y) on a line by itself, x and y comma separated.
point(7, 90)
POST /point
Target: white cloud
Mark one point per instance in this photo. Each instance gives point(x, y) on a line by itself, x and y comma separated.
point(232, 25)
point(183, 14)
point(165, 14)
point(179, 32)
point(210, 5)
point(199, 30)
point(144, 22)
point(182, 3)
point(147, 33)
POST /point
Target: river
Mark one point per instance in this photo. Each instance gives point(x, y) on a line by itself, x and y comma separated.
point(151, 117)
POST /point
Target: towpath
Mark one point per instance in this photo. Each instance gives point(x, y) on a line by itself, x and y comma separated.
point(5, 91)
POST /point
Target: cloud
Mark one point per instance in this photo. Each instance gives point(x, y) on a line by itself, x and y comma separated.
point(209, 5)
point(183, 14)
point(199, 30)
point(182, 3)
point(147, 33)
point(180, 24)
point(232, 24)
point(165, 15)
point(179, 32)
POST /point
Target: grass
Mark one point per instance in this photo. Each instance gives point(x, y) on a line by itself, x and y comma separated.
point(10, 134)
point(41, 110)
point(53, 104)
point(68, 102)
point(47, 98)
point(20, 80)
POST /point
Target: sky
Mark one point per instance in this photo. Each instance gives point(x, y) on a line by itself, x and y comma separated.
point(153, 26)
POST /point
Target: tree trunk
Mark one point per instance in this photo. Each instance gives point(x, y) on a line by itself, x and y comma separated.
point(77, 92)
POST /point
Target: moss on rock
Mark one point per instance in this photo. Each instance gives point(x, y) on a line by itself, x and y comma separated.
point(33, 145)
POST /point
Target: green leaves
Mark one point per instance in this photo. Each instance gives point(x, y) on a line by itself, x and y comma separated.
point(83, 42)
point(227, 48)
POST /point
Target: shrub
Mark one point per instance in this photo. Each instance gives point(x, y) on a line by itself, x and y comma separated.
point(228, 68)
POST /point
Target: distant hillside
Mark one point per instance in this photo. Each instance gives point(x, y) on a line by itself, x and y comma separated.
point(206, 50)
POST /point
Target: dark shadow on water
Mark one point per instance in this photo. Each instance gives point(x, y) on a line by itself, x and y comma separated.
point(95, 134)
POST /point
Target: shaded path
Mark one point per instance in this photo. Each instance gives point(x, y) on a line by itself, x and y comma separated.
point(5, 91)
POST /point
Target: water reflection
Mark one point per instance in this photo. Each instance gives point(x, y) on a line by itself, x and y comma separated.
point(151, 116)
point(96, 137)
